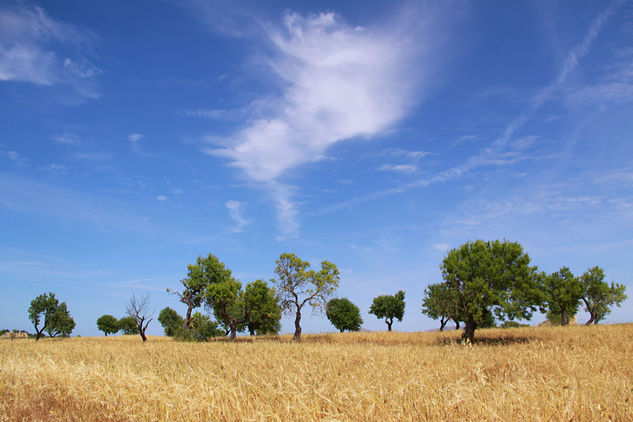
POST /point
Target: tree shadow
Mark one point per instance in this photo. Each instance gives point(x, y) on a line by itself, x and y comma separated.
point(502, 340)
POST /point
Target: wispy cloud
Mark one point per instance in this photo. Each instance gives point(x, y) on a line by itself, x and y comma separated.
point(212, 113)
point(135, 144)
point(28, 42)
point(495, 153)
point(14, 156)
point(161, 198)
point(66, 138)
point(236, 210)
point(399, 168)
point(338, 82)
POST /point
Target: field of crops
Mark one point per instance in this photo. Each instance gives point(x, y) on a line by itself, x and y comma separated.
point(548, 373)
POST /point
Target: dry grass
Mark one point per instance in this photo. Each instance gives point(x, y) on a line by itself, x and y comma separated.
point(549, 374)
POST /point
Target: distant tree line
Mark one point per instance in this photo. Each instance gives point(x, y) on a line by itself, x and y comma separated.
point(484, 282)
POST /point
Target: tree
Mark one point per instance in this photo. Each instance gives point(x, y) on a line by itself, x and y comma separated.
point(128, 325)
point(200, 275)
point(139, 310)
point(562, 294)
point(298, 285)
point(440, 302)
point(598, 296)
point(108, 324)
point(489, 277)
point(343, 314)
point(57, 319)
point(227, 300)
point(263, 311)
point(42, 307)
point(202, 328)
point(61, 322)
point(388, 307)
point(170, 320)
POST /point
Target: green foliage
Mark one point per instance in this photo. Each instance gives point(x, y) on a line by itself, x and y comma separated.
point(108, 324)
point(127, 325)
point(170, 320)
point(343, 315)
point(297, 285)
point(598, 296)
point(263, 311)
point(62, 324)
point(491, 277)
point(562, 292)
point(440, 302)
point(388, 307)
point(200, 276)
point(57, 319)
point(227, 300)
point(202, 328)
point(512, 324)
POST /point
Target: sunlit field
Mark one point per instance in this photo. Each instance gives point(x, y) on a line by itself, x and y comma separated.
point(548, 373)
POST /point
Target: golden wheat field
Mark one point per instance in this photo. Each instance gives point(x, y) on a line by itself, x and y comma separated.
point(547, 373)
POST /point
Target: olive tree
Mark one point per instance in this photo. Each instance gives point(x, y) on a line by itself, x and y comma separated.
point(388, 307)
point(204, 272)
point(108, 324)
point(491, 277)
point(563, 292)
point(170, 320)
point(57, 319)
point(343, 314)
point(263, 311)
point(440, 302)
point(298, 285)
point(598, 296)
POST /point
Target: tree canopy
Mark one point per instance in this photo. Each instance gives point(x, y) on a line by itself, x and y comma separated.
point(491, 277)
point(598, 296)
point(55, 315)
point(563, 292)
point(343, 314)
point(263, 311)
point(440, 302)
point(108, 324)
point(297, 285)
point(206, 271)
point(170, 320)
point(388, 307)
point(127, 325)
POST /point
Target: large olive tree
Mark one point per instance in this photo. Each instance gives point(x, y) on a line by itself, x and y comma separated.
point(491, 277)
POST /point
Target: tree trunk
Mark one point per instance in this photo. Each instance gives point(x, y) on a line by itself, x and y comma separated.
point(442, 324)
point(389, 324)
point(564, 319)
point(233, 328)
point(188, 318)
point(297, 336)
point(142, 333)
point(457, 325)
point(591, 319)
point(251, 330)
point(469, 330)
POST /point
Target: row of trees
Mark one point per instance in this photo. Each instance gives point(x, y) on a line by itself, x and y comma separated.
point(488, 280)
point(483, 282)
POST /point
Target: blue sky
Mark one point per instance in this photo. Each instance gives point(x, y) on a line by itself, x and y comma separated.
point(136, 136)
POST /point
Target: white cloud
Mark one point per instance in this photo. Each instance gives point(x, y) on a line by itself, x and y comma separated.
point(66, 138)
point(339, 83)
point(441, 246)
point(236, 209)
point(135, 137)
point(28, 39)
point(161, 198)
point(400, 168)
point(496, 154)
